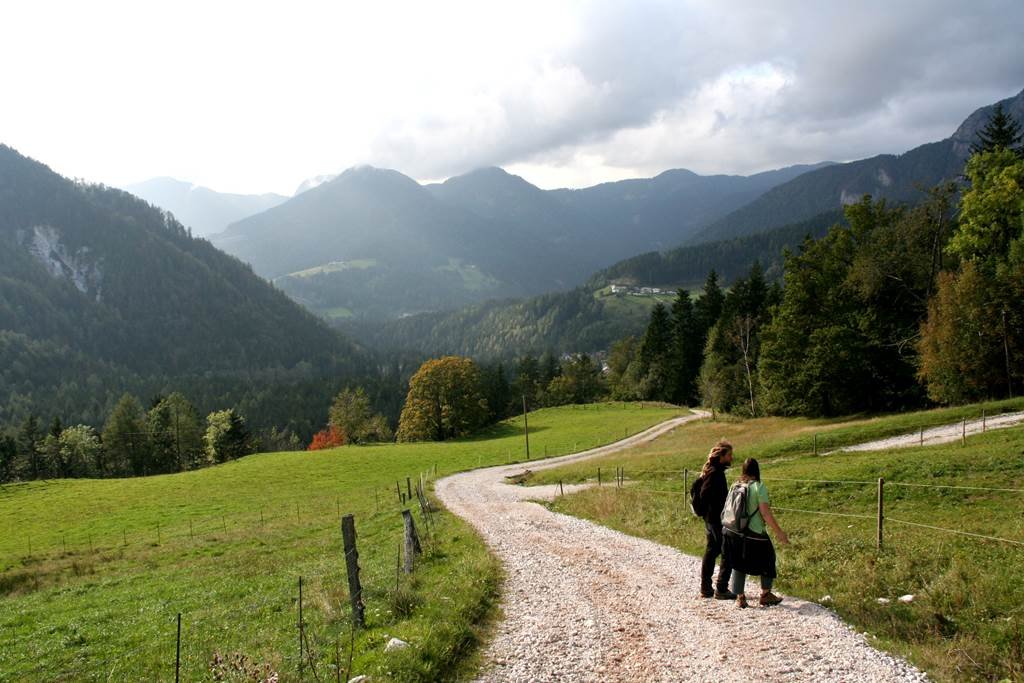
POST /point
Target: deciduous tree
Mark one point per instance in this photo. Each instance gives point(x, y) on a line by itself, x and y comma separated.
point(444, 401)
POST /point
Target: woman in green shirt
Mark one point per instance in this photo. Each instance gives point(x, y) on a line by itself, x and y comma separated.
point(752, 552)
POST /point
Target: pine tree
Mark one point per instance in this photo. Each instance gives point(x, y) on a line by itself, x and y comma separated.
point(1001, 132)
point(655, 355)
point(124, 438)
point(29, 438)
point(709, 306)
point(687, 348)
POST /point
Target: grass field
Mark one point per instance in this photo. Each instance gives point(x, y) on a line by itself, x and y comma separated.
point(966, 621)
point(94, 572)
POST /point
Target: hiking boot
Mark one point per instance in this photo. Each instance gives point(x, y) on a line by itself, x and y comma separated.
point(724, 594)
point(741, 601)
point(706, 593)
point(768, 599)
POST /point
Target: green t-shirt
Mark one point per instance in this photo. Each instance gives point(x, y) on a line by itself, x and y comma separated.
point(757, 493)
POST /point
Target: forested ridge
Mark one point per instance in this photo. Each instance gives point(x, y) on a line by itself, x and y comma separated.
point(101, 293)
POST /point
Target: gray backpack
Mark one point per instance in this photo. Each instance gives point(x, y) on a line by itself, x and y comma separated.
point(734, 514)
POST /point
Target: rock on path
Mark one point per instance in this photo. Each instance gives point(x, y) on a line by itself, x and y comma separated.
point(584, 603)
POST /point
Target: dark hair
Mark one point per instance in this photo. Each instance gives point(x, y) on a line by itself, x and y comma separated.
point(751, 470)
point(720, 449)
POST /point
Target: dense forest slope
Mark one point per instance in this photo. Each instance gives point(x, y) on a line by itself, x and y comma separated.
point(101, 292)
point(590, 317)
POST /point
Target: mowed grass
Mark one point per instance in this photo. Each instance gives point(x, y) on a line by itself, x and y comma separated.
point(112, 562)
point(966, 621)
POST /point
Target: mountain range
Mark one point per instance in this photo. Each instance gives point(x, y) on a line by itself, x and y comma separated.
point(587, 319)
point(375, 244)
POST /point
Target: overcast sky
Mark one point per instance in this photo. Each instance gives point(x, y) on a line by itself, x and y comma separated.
point(256, 96)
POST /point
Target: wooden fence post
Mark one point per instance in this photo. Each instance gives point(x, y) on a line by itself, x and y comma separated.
point(412, 541)
point(355, 588)
point(408, 488)
point(177, 653)
point(963, 434)
point(984, 422)
point(599, 476)
point(815, 444)
point(881, 509)
point(561, 489)
point(526, 428)
point(922, 436)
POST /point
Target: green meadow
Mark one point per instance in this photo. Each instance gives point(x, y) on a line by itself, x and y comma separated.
point(966, 620)
point(93, 573)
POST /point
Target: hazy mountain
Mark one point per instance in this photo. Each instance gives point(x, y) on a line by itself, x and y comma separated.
point(315, 181)
point(200, 208)
point(374, 243)
point(897, 178)
point(633, 216)
point(101, 292)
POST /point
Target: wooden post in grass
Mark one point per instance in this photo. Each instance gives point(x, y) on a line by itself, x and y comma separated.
point(355, 589)
point(398, 490)
point(984, 422)
point(922, 436)
point(398, 566)
point(412, 541)
point(408, 488)
point(177, 653)
point(561, 489)
point(599, 476)
point(526, 428)
point(963, 433)
point(881, 509)
point(815, 444)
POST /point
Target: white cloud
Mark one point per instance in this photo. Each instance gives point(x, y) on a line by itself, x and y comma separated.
point(256, 96)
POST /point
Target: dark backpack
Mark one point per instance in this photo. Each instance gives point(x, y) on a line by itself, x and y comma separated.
point(698, 505)
point(734, 514)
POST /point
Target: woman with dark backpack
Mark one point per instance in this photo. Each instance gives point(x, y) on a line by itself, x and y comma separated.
point(746, 545)
point(711, 489)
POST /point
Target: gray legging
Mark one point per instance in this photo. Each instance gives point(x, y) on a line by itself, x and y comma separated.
point(739, 581)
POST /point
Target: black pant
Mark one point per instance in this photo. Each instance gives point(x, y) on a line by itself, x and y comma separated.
point(711, 553)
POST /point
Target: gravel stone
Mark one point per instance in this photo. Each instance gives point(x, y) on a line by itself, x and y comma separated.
point(582, 602)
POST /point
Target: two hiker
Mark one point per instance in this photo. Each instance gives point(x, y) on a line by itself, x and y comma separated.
point(735, 523)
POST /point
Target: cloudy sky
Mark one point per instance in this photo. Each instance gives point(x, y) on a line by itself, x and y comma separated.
point(256, 96)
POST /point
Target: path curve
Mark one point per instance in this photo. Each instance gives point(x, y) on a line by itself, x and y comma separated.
point(582, 602)
point(936, 435)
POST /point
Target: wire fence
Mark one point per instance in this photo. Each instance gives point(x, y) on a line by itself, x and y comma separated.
point(634, 484)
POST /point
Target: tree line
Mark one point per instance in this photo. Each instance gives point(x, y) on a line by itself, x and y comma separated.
point(897, 307)
point(168, 437)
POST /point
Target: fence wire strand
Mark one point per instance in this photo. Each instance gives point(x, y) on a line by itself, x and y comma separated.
point(954, 531)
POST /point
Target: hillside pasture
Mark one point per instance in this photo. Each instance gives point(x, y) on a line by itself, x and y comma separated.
point(94, 572)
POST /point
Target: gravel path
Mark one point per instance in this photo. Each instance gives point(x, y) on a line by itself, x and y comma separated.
point(937, 435)
point(585, 603)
